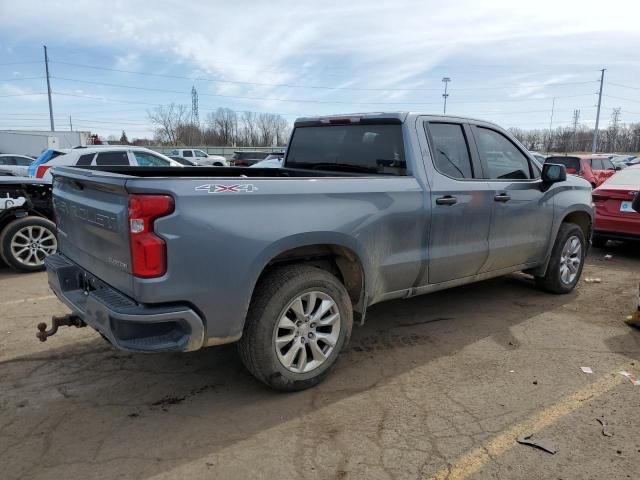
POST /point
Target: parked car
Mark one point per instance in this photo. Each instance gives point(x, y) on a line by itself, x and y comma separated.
point(367, 208)
point(273, 160)
point(16, 163)
point(27, 233)
point(112, 155)
point(246, 159)
point(625, 160)
point(201, 157)
point(615, 218)
point(184, 161)
point(593, 168)
point(538, 156)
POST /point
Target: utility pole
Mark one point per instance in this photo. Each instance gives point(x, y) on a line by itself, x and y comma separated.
point(70, 124)
point(445, 95)
point(553, 106)
point(576, 122)
point(595, 132)
point(46, 66)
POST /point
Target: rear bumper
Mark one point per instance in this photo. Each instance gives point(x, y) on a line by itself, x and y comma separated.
point(125, 323)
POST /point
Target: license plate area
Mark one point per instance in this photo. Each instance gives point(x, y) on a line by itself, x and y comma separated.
point(626, 207)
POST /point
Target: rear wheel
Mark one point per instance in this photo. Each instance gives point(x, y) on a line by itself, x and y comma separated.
point(567, 260)
point(218, 164)
point(299, 320)
point(26, 242)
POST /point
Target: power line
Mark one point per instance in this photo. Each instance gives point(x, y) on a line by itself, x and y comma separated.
point(19, 63)
point(16, 79)
point(323, 87)
point(22, 95)
point(624, 86)
point(622, 98)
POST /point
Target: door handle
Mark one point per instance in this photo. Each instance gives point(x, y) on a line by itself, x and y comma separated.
point(502, 197)
point(446, 200)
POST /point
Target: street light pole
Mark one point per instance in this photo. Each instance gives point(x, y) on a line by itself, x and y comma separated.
point(445, 95)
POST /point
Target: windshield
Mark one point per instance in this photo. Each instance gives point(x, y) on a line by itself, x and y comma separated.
point(377, 149)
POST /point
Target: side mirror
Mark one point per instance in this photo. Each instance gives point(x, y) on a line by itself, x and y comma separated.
point(636, 203)
point(553, 173)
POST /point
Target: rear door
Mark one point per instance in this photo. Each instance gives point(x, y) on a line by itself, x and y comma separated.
point(460, 203)
point(522, 213)
point(608, 169)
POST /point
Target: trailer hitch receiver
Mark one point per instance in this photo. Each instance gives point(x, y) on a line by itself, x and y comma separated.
point(69, 320)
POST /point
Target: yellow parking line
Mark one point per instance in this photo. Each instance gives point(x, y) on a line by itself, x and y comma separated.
point(27, 300)
point(475, 459)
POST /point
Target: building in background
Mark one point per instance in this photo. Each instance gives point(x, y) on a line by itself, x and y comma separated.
point(33, 142)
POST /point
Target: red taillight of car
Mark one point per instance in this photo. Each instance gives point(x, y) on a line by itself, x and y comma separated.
point(148, 251)
point(42, 169)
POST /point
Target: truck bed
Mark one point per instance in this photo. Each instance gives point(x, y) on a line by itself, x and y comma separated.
point(221, 172)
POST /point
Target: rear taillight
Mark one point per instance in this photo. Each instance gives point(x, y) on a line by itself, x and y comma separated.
point(42, 169)
point(148, 251)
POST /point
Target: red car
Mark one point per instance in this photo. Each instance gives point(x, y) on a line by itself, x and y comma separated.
point(593, 168)
point(615, 218)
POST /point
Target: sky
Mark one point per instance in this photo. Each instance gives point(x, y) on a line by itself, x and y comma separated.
point(111, 61)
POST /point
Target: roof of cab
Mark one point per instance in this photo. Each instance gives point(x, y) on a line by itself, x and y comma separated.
point(375, 117)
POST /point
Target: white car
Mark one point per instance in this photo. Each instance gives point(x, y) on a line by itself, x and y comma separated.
point(18, 164)
point(106, 155)
point(200, 157)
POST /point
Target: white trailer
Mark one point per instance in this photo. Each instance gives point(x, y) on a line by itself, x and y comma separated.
point(33, 142)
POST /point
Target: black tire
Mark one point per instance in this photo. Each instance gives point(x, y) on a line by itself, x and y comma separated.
point(273, 295)
point(599, 241)
point(552, 281)
point(218, 164)
point(10, 232)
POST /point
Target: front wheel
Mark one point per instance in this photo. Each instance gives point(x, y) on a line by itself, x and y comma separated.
point(299, 320)
point(567, 260)
point(25, 242)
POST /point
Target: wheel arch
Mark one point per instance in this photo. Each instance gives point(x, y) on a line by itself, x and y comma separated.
point(340, 256)
point(579, 215)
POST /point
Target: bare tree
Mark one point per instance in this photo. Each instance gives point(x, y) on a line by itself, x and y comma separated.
point(169, 119)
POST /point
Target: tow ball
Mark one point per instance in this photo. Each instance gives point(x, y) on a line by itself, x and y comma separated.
point(68, 320)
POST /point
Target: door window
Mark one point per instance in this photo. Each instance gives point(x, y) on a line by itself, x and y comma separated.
point(85, 160)
point(596, 164)
point(148, 160)
point(112, 158)
point(187, 153)
point(451, 152)
point(608, 164)
point(502, 158)
point(23, 162)
point(6, 160)
point(200, 153)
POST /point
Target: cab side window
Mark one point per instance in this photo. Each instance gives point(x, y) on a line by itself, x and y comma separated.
point(450, 150)
point(187, 153)
point(501, 157)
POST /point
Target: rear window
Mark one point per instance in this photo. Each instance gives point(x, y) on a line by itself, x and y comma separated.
point(112, 158)
point(572, 164)
point(628, 176)
point(376, 149)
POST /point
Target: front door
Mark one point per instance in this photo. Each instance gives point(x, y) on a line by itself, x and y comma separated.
point(522, 213)
point(460, 204)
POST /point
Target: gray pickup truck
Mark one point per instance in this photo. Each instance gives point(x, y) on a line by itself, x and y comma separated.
point(367, 208)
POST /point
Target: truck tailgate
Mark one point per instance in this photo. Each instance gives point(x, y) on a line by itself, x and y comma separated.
point(91, 211)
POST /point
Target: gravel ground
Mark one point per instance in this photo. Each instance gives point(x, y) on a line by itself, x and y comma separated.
point(438, 386)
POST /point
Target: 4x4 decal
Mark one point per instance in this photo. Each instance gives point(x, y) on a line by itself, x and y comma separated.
point(218, 188)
